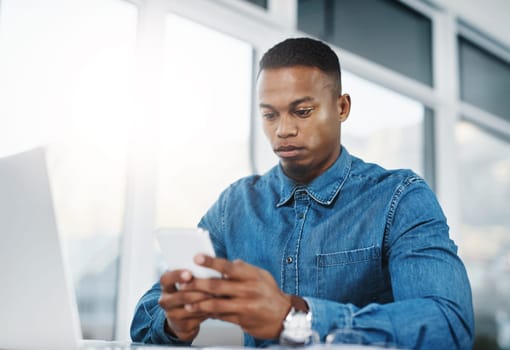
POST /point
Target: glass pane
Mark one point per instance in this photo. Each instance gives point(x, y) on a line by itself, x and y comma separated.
point(66, 69)
point(312, 17)
point(204, 133)
point(485, 246)
point(385, 31)
point(261, 3)
point(384, 127)
point(484, 79)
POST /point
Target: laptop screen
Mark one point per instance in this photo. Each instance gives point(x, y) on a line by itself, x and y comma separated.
point(37, 301)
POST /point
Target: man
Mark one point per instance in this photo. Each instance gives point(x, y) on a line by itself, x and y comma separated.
point(362, 250)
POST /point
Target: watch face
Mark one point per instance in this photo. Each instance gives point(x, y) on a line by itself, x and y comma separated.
point(297, 328)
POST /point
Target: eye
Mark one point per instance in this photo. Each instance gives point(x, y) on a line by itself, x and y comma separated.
point(269, 115)
point(304, 112)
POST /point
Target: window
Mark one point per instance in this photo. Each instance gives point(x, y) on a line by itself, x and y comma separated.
point(65, 78)
point(386, 127)
point(485, 246)
point(205, 124)
point(261, 3)
point(204, 139)
point(385, 31)
point(484, 79)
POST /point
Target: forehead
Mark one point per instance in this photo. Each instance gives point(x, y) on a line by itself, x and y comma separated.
point(292, 82)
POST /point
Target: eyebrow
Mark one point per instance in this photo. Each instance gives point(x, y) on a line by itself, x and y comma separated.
point(292, 104)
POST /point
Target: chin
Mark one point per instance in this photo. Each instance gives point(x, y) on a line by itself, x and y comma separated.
point(295, 170)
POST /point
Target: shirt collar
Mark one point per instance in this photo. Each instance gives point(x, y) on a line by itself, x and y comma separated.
point(323, 189)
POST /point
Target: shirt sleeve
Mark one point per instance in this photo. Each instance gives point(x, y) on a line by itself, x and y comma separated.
point(148, 325)
point(432, 305)
point(213, 222)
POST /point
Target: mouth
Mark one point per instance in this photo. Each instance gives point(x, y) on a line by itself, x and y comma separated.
point(288, 151)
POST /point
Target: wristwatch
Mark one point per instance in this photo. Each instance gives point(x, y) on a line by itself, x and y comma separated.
point(297, 326)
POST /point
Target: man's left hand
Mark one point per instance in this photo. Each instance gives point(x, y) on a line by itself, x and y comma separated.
point(247, 296)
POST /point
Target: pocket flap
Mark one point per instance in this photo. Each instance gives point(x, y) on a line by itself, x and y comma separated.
point(349, 256)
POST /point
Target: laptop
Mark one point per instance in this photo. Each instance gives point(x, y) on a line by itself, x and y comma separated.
point(38, 309)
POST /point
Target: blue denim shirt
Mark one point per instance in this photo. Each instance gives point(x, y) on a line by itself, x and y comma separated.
point(367, 248)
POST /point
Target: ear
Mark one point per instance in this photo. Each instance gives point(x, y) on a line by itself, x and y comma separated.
point(344, 107)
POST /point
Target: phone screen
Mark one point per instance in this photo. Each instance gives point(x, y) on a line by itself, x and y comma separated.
point(179, 246)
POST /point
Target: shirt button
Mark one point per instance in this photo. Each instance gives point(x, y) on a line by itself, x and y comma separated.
point(301, 215)
point(289, 259)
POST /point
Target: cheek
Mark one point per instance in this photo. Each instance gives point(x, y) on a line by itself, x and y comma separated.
point(322, 132)
point(268, 130)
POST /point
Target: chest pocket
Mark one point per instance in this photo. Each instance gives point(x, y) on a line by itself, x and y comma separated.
point(351, 276)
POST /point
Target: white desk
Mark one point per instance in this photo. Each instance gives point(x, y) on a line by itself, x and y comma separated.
point(115, 345)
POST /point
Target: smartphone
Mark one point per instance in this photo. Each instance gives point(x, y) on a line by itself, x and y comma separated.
point(179, 246)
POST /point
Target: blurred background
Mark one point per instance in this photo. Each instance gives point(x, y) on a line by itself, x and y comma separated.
point(147, 111)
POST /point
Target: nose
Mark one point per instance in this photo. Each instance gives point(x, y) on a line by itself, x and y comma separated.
point(286, 127)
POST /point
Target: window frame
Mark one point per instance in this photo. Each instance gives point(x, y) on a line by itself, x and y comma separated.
point(261, 29)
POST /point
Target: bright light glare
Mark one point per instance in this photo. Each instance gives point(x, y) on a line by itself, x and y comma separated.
point(56, 55)
point(66, 69)
point(383, 127)
point(206, 101)
point(375, 108)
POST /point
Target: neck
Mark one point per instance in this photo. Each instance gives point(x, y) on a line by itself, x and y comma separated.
point(303, 176)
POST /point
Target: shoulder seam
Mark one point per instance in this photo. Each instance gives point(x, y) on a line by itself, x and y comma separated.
point(407, 181)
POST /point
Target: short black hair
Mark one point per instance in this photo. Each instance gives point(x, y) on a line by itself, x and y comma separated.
point(303, 52)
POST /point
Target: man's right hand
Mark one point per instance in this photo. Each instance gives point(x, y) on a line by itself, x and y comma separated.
point(180, 323)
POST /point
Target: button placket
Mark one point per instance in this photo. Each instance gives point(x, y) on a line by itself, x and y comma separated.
point(290, 259)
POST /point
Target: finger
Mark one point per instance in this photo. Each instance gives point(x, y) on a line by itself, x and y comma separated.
point(215, 306)
point(169, 279)
point(181, 314)
point(231, 318)
point(236, 270)
point(179, 299)
point(221, 287)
